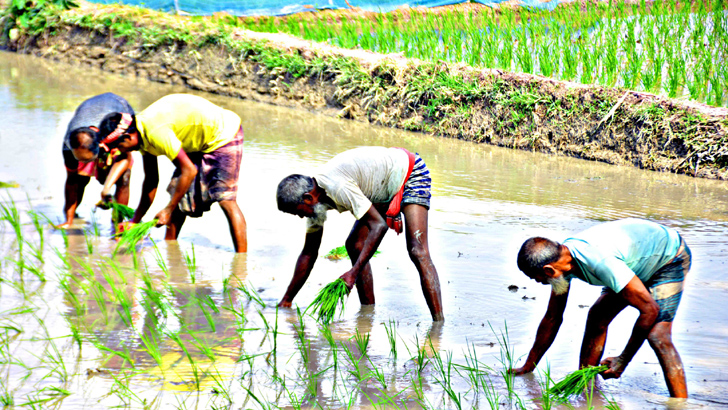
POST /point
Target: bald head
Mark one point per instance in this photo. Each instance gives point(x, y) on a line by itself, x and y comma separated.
point(536, 253)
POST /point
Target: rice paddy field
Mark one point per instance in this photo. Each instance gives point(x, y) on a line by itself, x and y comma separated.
point(669, 47)
point(188, 324)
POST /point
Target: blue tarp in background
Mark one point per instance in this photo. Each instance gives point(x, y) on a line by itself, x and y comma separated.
point(284, 7)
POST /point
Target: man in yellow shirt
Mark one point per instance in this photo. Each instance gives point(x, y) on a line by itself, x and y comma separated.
point(205, 143)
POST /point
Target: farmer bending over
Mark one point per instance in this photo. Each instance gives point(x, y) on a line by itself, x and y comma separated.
point(205, 143)
point(84, 157)
point(641, 264)
point(373, 183)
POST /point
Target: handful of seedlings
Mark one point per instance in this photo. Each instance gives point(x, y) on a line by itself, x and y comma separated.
point(129, 238)
point(328, 298)
point(575, 383)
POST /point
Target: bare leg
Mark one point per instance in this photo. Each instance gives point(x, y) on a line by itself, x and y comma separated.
point(660, 339)
point(416, 232)
point(238, 226)
point(601, 314)
point(175, 225)
point(365, 281)
point(121, 195)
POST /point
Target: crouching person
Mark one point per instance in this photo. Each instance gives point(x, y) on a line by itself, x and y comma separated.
point(374, 184)
point(640, 264)
point(205, 144)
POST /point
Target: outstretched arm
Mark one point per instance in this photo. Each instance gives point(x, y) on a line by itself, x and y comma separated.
point(149, 186)
point(547, 331)
point(188, 172)
point(304, 265)
point(635, 294)
point(377, 227)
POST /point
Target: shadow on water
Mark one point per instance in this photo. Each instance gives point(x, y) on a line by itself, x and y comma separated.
point(164, 331)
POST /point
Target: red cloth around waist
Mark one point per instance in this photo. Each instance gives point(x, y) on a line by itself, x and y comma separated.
point(394, 221)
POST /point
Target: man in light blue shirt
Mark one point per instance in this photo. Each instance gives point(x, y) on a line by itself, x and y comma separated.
point(641, 264)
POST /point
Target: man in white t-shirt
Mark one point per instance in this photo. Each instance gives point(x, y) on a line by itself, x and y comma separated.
point(640, 264)
point(374, 184)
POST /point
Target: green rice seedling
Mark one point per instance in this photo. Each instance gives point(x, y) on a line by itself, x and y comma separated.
point(506, 359)
point(354, 361)
point(361, 341)
point(129, 238)
point(36, 219)
point(544, 382)
point(6, 396)
point(191, 262)
point(221, 387)
point(327, 300)
point(95, 224)
point(611, 403)
point(420, 358)
point(341, 253)
point(202, 346)
point(472, 367)
point(206, 313)
point(576, 382)
point(160, 259)
point(304, 347)
point(491, 394)
point(177, 339)
point(444, 369)
point(150, 340)
point(377, 373)
point(252, 294)
point(326, 332)
point(120, 212)
point(64, 234)
point(89, 243)
point(10, 214)
point(11, 184)
point(391, 329)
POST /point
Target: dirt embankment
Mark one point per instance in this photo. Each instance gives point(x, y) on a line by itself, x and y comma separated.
point(482, 105)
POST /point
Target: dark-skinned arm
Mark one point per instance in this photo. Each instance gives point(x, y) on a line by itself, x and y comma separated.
point(75, 185)
point(188, 171)
point(149, 186)
point(304, 265)
point(635, 294)
point(546, 333)
point(117, 170)
point(377, 226)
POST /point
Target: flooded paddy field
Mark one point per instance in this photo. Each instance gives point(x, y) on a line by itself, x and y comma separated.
point(184, 327)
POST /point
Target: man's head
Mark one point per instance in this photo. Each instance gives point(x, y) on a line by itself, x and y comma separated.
point(83, 143)
point(547, 262)
point(297, 195)
point(118, 130)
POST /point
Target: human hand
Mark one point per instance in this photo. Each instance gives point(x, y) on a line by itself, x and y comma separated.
point(521, 370)
point(349, 278)
point(124, 226)
point(617, 365)
point(284, 304)
point(164, 217)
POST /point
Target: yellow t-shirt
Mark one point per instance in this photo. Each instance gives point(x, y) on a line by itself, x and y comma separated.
point(185, 121)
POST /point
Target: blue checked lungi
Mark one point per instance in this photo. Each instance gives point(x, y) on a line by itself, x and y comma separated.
point(417, 189)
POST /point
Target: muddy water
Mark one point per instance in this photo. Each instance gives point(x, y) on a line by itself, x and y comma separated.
point(486, 201)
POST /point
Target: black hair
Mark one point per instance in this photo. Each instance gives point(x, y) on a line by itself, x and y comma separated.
point(536, 253)
point(91, 144)
point(109, 124)
point(290, 191)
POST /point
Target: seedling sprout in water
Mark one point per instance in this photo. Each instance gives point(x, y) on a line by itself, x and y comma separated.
point(327, 300)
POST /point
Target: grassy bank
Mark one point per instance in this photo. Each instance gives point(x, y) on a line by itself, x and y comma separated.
point(669, 47)
point(454, 100)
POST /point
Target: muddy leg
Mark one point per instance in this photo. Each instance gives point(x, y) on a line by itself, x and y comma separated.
point(238, 226)
point(175, 225)
point(660, 339)
point(601, 314)
point(365, 281)
point(416, 232)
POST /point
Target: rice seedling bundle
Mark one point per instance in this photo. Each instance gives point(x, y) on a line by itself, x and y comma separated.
point(575, 383)
point(129, 238)
point(327, 300)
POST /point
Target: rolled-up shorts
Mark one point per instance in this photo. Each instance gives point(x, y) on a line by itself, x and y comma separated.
point(217, 177)
point(666, 285)
point(417, 189)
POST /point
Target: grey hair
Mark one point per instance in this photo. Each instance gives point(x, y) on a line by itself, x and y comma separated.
point(536, 253)
point(290, 191)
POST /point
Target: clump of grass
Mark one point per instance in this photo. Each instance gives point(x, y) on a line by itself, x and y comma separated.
point(341, 253)
point(328, 298)
point(575, 383)
point(129, 238)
